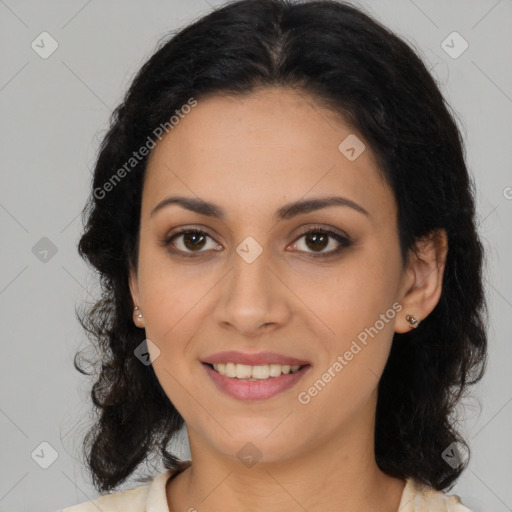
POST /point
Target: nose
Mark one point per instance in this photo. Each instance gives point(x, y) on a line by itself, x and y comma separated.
point(253, 298)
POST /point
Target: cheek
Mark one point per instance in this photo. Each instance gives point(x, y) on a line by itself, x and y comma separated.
point(170, 294)
point(354, 295)
point(349, 373)
point(358, 308)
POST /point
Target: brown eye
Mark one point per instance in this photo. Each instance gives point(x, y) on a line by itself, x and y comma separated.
point(192, 241)
point(318, 239)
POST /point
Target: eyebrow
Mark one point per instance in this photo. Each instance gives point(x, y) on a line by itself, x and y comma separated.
point(286, 212)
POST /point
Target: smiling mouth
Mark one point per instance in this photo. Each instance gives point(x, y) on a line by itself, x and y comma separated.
point(254, 373)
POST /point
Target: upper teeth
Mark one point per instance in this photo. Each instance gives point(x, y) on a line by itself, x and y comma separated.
point(245, 371)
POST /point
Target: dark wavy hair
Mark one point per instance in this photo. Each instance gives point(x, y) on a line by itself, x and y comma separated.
point(346, 61)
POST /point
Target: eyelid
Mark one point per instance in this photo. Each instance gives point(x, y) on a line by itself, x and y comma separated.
point(324, 228)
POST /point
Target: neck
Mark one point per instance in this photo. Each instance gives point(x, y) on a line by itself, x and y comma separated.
point(340, 471)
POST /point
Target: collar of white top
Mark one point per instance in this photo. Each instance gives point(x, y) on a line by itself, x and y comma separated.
point(156, 499)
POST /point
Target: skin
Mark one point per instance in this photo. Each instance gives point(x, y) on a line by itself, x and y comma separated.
point(251, 156)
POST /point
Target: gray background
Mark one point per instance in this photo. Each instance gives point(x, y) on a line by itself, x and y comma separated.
point(54, 112)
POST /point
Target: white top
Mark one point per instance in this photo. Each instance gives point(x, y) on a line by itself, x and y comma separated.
point(152, 497)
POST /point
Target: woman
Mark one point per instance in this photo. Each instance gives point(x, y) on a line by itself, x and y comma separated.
point(284, 226)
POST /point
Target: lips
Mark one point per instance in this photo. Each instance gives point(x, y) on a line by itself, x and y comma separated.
point(260, 358)
point(253, 390)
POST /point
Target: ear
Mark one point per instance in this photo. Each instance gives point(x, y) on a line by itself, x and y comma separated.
point(423, 278)
point(134, 291)
point(134, 286)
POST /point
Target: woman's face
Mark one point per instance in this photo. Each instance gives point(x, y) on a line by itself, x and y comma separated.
point(256, 283)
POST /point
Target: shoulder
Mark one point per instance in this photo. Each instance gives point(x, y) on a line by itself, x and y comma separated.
point(418, 497)
point(131, 500)
point(144, 498)
point(149, 496)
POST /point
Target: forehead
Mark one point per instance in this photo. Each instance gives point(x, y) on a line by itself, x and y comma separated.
point(258, 149)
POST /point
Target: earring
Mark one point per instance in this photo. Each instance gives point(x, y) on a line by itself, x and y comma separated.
point(136, 308)
point(413, 321)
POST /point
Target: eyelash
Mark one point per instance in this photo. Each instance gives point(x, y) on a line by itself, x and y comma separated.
point(342, 240)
